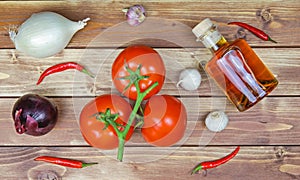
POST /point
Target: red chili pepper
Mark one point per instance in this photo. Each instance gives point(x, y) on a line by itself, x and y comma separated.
point(212, 164)
point(257, 32)
point(63, 162)
point(61, 67)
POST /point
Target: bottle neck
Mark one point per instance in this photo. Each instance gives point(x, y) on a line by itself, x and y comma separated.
point(213, 40)
point(218, 45)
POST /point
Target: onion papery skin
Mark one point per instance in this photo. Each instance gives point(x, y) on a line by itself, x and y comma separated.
point(45, 34)
point(34, 115)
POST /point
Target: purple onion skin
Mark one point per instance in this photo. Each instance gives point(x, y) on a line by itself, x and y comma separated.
point(34, 115)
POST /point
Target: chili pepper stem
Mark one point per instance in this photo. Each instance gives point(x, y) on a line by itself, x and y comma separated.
point(88, 164)
point(85, 71)
point(62, 67)
point(215, 163)
point(270, 39)
point(63, 162)
point(197, 169)
point(257, 32)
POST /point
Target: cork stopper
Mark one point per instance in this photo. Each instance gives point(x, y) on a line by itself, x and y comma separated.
point(200, 29)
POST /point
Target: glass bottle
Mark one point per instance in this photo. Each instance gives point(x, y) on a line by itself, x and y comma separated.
point(235, 67)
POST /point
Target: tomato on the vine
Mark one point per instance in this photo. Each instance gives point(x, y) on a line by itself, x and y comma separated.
point(96, 132)
point(144, 64)
point(165, 120)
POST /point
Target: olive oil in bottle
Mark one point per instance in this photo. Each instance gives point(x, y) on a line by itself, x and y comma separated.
point(235, 67)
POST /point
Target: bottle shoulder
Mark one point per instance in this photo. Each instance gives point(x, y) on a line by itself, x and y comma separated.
point(238, 43)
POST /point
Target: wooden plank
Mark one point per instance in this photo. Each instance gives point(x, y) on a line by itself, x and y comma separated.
point(24, 72)
point(279, 19)
point(273, 121)
point(268, 133)
point(258, 162)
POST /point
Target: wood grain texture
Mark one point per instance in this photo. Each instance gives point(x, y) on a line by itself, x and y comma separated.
point(261, 162)
point(24, 72)
point(279, 19)
point(268, 133)
point(268, 123)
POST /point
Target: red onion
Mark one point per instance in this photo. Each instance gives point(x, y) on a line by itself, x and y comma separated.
point(34, 115)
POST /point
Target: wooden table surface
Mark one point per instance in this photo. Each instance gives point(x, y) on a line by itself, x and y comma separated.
point(268, 133)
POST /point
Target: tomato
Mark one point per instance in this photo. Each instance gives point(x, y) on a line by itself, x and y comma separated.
point(165, 120)
point(151, 64)
point(94, 131)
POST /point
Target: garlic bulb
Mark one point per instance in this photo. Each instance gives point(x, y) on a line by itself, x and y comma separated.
point(45, 34)
point(189, 79)
point(216, 121)
point(135, 14)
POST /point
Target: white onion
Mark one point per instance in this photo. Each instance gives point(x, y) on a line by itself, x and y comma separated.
point(189, 79)
point(216, 121)
point(45, 34)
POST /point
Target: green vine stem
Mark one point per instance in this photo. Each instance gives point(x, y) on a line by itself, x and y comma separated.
point(139, 100)
point(109, 119)
point(134, 79)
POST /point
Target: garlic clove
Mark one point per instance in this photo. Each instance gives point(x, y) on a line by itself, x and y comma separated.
point(45, 34)
point(189, 79)
point(216, 121)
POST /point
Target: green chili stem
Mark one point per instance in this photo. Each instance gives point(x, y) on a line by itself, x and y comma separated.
point(139, 100)
point(88, 73)
point(197, 169)
point(88, 164)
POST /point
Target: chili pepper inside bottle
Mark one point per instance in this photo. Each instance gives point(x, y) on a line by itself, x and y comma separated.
point(235, 67)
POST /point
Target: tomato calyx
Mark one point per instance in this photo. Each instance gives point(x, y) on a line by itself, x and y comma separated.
point(134, 76)
point(108, 119)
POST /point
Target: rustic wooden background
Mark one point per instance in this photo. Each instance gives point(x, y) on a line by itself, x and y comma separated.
point(269, 133)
